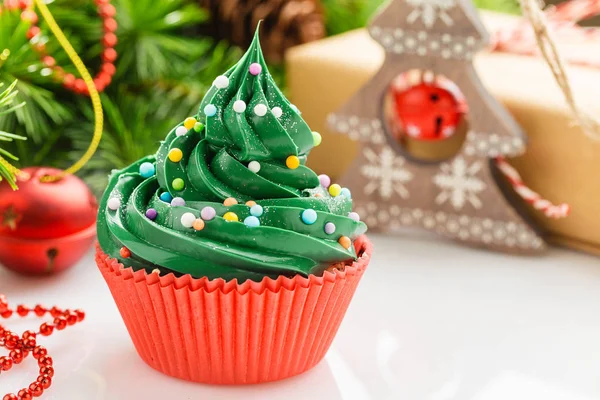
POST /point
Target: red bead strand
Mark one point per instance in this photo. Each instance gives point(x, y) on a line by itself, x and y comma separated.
point(106, 12)
point(21, 347)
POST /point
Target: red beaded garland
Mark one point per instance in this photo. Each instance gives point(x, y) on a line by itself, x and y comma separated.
point(106, 11)
point(21, 347)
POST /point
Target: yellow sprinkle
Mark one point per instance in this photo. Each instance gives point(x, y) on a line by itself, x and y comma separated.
point(189, 123)
point(231, 217)
point(292, 162)
point(335, 190)
point(198, 224)
point(230, 201)
point(175, 155)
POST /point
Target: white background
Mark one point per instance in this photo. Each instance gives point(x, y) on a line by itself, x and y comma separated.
point(429, 321)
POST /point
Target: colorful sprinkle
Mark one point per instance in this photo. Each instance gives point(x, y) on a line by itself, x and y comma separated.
point(198, 126)
point(292, 162)
point(277, 112)
point(346, 193)
point(239, 106)
point(325, 180)
point(260, 110)
point(254, 166)
point(293, 107)
point(208, 213)
point(335, 190)
point(329, 228)
point(198, 224)
point(124, 252)
point(147, 170)
point(221, 82)
point(256, 210)
point(210, 110)
point(231, 217)
point(178, 184)
point(156, 271)
point(250, 203)
point(345, 242)
point(166, 197)
point(230, 201)
point(151, 214)
point(187, 220)
point(189, 122)
point(318, 195)
point(309, 216)
point(317, 138)
point(181, 131)
point(354, 216)
point(251, 221)
point(178, 202)
point(175, 155)
point(255, 69)
point(114, 203)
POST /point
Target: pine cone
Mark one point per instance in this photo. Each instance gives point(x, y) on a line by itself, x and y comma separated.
point(286, 23)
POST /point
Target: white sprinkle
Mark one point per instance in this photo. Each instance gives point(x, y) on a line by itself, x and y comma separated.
point(187, 220)
point(295, 108)
point(114, 203)
point(221, 82)
point(277, 112)
point(260, 110)
point(239, 106)
point(180, 131)
point(254, 166)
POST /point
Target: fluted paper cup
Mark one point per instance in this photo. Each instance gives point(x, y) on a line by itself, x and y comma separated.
point(219, 332)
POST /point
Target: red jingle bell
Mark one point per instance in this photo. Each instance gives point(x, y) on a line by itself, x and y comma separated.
point(45, 227)
point(427, 111)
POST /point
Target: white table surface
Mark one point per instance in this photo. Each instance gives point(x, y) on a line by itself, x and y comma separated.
point(430, 320)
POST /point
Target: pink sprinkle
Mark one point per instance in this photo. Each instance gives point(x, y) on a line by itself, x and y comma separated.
point(354, 216)
point(325, 180)
point(255, 69)
point(208, 213)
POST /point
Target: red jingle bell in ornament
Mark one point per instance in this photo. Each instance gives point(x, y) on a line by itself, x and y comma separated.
point(45, 227)
point(427, 111)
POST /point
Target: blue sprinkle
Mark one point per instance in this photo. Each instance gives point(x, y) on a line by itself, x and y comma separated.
point(251, 221)
point(309, 216)
point(346, 193)
point(210, 110)
point(166, 197)
point(147, 170)
point(256, 210)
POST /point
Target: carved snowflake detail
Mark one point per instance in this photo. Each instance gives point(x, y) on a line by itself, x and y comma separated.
point(431, 10)
point(459, 183)
point(387, 173)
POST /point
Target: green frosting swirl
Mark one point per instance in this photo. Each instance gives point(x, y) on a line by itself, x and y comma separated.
point(208, 164)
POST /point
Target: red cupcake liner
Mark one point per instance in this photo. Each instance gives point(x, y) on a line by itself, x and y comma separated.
point(219, 332)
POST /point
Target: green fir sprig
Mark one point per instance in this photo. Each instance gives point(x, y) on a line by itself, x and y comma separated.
point(7, 106)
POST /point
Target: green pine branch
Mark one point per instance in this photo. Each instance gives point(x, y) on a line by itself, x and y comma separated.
point(7, 106)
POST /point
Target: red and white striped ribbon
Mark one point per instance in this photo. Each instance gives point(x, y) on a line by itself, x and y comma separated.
point(520, 39)
point(562, 19)
point(531, 197)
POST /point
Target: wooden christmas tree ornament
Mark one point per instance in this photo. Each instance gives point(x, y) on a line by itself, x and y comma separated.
point(459, 193)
